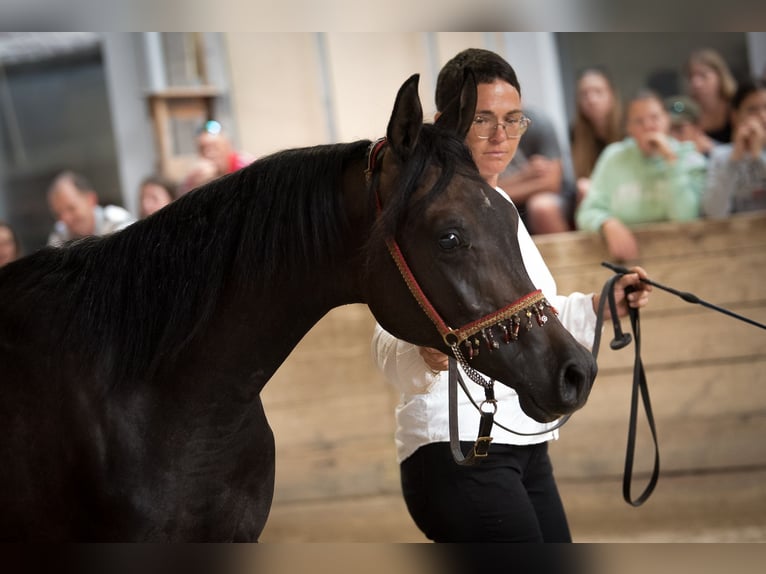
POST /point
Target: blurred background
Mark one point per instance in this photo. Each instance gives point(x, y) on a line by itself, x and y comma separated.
point(118, 106)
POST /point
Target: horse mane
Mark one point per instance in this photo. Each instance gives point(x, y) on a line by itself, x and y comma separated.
point(123, 303)
point(436, 148)
point(132, 298)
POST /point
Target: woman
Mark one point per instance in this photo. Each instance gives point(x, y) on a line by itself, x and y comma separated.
point(712, 86)
point(155, 193)
point(598, 123)
point(511, 496)
point(647, 177)
point(737, 176)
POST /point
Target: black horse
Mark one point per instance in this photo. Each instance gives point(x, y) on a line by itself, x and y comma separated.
point(131, 365)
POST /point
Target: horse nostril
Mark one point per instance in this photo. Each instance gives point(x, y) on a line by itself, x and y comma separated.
point(574, 385)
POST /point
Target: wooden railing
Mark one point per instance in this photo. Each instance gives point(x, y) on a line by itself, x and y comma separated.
point(332, 412)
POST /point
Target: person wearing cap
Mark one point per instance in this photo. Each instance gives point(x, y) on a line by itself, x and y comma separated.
point(685, 124)
point(217, 156)
point(737, 174)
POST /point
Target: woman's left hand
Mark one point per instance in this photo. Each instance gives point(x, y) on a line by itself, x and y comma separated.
point(637, 298)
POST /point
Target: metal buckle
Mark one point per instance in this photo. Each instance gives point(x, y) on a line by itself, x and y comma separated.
point(481, 446)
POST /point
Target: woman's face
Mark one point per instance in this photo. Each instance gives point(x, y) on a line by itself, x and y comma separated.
point(500, 102)
point(153, 198)
point(646, 117)
point(594, 96)
point(704, 83)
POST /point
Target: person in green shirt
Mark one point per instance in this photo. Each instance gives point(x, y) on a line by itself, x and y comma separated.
point(647, 177)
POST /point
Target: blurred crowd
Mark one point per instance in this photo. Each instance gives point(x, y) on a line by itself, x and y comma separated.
point(632, 160)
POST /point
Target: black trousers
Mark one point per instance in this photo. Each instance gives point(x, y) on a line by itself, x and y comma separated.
point(511, 496)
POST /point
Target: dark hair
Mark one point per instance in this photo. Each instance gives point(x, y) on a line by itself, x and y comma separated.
point(486, 66)
point(586, 144)
point(79, 181)
point(167, 184)
point(745, 89)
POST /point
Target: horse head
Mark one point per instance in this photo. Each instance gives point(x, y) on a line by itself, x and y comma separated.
point(447, 242)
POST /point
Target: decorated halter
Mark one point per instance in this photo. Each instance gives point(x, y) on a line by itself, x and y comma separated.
point(504, 324)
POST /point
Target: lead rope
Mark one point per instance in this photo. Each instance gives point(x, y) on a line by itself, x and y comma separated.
point(639, 386)
point(488, 407)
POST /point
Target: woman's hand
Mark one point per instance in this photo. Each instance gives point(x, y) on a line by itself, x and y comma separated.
point(637, 298)
point(435, 359)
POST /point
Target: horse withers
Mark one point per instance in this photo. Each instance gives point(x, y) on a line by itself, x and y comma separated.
point(131, 365)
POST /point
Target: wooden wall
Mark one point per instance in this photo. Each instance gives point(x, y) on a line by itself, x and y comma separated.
point(332, 413)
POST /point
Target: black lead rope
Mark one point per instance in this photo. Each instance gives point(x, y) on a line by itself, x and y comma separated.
point(639, 387)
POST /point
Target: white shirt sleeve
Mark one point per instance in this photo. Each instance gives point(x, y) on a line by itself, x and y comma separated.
point(401, 363)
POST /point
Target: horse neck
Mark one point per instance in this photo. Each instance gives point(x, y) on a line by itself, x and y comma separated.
point(266, 322)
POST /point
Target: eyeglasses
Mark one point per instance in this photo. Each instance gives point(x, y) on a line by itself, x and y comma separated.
point(485, 127)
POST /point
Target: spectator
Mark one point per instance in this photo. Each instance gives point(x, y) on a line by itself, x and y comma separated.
point(9, 244)
point(711, 85)
point(737, 175)
point(685, 123)
point(598, 123)
point(74, 203)
point(217, 152)
point(649, 176)
point(535, 179)
point(155, 193)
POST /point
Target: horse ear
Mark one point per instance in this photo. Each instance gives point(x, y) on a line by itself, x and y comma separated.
point(406, 119)
point(459, 113)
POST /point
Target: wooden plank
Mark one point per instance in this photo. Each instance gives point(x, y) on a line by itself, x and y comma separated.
point(381, 518)
point(698, 335)
point(332, 359)
point(316, 424)
point(723, 279)
point(355, 467)
point(707, 417)
point(657, 240)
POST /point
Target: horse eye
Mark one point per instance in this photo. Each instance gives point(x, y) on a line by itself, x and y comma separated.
point(449, 241)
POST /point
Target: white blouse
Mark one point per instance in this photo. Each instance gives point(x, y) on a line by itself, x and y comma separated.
point(422, 414)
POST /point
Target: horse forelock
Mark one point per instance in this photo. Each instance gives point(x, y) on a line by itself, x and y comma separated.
point(437, 150)
point(126, 301)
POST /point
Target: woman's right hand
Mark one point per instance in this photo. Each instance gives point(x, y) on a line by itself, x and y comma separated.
point(434, 358)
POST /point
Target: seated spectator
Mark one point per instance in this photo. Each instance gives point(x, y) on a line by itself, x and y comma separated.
point(9, 244)
point(685, 124)
point(597, 123)
point(200, 173)
point(74, 203)
point(647, 177)
point(737, 173)
point(215, 146)
point(712, 85)
point(535, 179)
point(155, 193)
